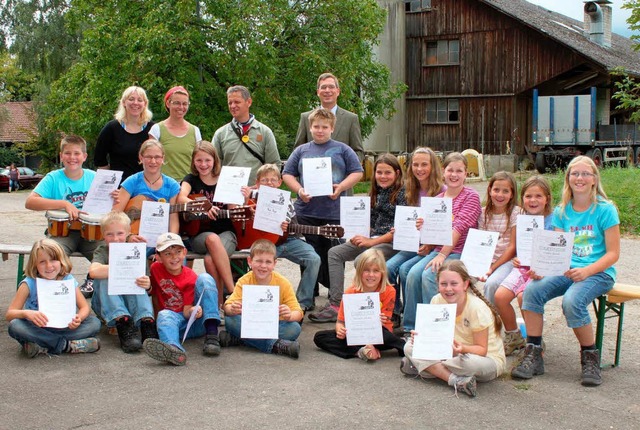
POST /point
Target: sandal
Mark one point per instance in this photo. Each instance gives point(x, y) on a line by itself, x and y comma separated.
point(368, 353)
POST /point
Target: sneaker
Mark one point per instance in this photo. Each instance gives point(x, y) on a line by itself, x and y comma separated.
point(286, 347)
point(86, 288)
point(513, 341)
point(161, 351)
point(148, 330)
point(590, 360)
point(465, 384)
point(227, 339)
point(324, 315)
point(532, 363)
point(32, 349)
point(84, 346)
point(211, 345)
point(407, 368)
point(128, 333)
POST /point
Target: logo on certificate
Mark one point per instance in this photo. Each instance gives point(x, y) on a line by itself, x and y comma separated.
point(268, 298)
point(64, 290)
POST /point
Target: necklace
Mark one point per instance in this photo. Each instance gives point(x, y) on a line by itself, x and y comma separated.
point(151, 183)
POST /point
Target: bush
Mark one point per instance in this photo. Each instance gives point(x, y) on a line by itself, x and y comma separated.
point(9, 155)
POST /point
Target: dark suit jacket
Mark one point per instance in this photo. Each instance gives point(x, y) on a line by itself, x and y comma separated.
point(347, 130)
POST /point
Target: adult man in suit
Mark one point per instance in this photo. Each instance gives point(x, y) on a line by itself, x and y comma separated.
point(347, 128)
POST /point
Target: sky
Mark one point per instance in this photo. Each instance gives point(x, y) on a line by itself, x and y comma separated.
point(574, 9)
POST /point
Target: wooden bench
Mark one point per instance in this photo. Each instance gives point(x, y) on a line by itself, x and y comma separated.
point(238, 259)
point(611, 305)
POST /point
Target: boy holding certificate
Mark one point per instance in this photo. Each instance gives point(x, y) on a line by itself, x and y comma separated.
point(187, 304)
point(125, 312)
point(262, 261)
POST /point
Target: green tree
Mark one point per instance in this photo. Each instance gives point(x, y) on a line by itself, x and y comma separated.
point(276, 48)
point(627, 88)
point(15, 85)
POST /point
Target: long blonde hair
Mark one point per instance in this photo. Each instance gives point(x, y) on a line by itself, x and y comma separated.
point(597, 192)
point(54, 251)
point(458, 267)
point(412, 185)
point(121, 112)
point(375, 257)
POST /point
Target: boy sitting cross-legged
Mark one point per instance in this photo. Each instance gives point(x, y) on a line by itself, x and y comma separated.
point(125, 312)
point(176, 290)
point(262, 261)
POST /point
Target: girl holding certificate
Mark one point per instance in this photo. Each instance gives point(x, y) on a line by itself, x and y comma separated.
point(586, 211)
point(478, 354)
point(386, 193)
point(423, 179)
point(370, 277)
point(29, 325)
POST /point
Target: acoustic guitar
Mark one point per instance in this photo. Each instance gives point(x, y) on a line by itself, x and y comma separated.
point(246, 234)
point(193, 223)
point(134, 209)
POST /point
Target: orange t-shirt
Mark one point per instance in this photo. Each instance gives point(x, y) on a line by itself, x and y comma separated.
point(387, 302)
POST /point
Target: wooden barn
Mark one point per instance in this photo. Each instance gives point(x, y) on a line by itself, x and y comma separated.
point(472, 66)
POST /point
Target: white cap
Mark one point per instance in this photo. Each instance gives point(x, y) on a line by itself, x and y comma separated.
point(166, 240)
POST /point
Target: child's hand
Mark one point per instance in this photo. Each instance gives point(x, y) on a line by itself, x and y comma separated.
point(457, 348)
point(72, 211)
point(302, 194)
point(384, 318)
point(115, 196)
point(436, 262)
point(284, 226)
point(284, 312)
point(419, 223)
point(516, 262)
point(578, 274)
point(197, 310)
point(136, 238)
point(213, 212)
point(37, 318)
point(341, 331)
point(413, 334)
point(362, 241)
point(144, 282)
point(235, 308)
point(75, 322)
point(424, 250)
point(533, 275)
point(246, 191)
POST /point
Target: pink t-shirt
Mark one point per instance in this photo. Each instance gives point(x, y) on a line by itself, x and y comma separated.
point(498, 222)
point(466, 210)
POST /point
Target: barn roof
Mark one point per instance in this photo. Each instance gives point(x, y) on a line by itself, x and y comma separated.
point(17, 122)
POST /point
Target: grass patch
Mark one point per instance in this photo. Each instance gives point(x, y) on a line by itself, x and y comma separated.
point(522, 386)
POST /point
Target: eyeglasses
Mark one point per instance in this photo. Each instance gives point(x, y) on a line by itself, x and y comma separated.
point(266, 181)
point(582, 174)
point(328, 87)
point(178, 104)
point(154, 158)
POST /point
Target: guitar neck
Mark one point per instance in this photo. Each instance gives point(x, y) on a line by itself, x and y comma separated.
point(305, 229)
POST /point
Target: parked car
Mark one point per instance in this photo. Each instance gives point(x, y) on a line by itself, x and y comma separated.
point(28, 178)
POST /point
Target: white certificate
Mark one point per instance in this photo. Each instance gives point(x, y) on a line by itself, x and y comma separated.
point(438, 221)
point(154, 221)
point(317, 176)
point(362, 318)
point(127, 262)
point(552, 251)
point(271, 210)
point(524, 236)
point(98, 199)
point(192, 318)
point(57, 300)
point(231, 180)
point(260, 313)
point(406, 237)
point(478, 251)
point(355, 216)
point(435, 327)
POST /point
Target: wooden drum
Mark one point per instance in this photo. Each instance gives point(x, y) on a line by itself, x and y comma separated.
point(90, 229)
point(58, 223)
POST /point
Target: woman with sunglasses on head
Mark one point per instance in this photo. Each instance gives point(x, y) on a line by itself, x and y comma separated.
point(176, 134)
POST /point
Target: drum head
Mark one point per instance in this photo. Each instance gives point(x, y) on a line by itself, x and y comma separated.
point(90, 219)
point(57, 215)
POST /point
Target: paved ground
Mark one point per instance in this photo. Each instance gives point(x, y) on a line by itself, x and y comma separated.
point(243, 388)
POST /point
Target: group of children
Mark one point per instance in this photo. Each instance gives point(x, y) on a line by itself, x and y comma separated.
point(157, 320)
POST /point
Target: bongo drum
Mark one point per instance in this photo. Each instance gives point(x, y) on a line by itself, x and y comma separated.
point(57, 223)
point(90, 229)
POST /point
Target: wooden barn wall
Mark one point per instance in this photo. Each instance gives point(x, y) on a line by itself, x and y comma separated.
point(501, 60)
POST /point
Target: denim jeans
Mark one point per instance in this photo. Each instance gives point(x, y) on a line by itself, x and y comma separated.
point(54, 339)
point(171, 325)
point(493, 282)
point(394, 265)
point(112, 307)
point(576, 296)
point(300, 252)
point(429, 281)
point(287, 330)
point(411, 277)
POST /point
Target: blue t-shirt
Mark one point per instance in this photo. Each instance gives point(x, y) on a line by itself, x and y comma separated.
point(32, 301)
point(57, 186)
point(589, 244)
point(135, 186)
point(344, 162)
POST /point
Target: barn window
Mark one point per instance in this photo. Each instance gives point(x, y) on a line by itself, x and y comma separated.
point(443, 111)
point(417, 5)
point(442, 52)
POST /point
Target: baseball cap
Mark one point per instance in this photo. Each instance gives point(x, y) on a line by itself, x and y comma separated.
point(165, 240)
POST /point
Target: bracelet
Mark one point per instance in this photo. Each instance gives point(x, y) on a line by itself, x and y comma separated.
point(443, 256)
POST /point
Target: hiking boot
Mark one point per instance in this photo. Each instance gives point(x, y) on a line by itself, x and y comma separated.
point(86, 288)
point(286, 347)
point(532, 363)
point(466, 384)
point(128, 334)
point(324, 315)
point(166, 352)
point(84, 346)
point(513, 341)
point(211, 345)
point(148, 330)
point(32, 349)
point(407, 368)
point(590, 360)
point(227, 339)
